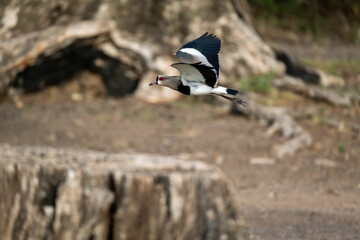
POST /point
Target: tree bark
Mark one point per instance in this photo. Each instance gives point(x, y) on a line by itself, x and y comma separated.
point(51, 193)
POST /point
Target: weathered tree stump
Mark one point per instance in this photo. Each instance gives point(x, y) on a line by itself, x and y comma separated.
point(51, 193)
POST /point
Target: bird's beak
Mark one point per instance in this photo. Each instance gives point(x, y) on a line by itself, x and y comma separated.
point(154, 82)
point(174, 54)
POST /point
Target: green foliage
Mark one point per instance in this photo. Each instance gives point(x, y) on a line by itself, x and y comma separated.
point(177, 125)
point(334, 17)
point(324, 121)
point(258, 83)
point(341, 147)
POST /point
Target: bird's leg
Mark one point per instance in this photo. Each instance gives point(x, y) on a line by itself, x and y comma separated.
point(232, 99)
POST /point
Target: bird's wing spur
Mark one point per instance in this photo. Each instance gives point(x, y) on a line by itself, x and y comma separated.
point(197, 72)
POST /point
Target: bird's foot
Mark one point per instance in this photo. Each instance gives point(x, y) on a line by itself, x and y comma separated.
point(232, 99)
point(238, 101)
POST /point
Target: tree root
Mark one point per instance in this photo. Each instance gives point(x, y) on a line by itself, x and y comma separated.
point(340, 124)
point(279, 121)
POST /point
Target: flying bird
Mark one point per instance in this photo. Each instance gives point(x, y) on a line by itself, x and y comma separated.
point(199, 70)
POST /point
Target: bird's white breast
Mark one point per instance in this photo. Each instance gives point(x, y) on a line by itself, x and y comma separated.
point(198, 88)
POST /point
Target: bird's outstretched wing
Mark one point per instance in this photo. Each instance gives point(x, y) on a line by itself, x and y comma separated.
point(204, 49)
point(196, 72)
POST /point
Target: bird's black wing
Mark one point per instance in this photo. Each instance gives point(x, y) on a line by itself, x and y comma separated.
point(196, 72)
point(209, 45)
point(209, 74)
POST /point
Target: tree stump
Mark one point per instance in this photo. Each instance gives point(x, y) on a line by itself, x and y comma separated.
point(49, 193)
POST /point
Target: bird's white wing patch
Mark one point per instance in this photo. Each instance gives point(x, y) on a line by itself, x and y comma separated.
point(197, 56)
point(188, 73)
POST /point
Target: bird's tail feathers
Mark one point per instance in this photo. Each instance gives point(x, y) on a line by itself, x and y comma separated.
point(224, 90)
point(232, 91)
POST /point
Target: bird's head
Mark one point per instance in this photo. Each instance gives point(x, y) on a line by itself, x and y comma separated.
point(160, 80)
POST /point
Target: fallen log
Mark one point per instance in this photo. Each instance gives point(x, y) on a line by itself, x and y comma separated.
point(313, 91)
point(49, 193)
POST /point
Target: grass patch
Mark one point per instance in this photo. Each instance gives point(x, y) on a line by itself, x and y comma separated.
point(345, 68)
point(258, 83)
point(263, 84)
point(324, 121)
point(177, 125)
point(341, 147)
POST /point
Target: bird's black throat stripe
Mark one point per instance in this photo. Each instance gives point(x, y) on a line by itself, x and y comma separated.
point(184, 89)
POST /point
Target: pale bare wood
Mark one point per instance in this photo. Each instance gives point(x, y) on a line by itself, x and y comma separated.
point(49, 193)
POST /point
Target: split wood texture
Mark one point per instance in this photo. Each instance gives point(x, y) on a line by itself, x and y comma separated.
point(51, 193)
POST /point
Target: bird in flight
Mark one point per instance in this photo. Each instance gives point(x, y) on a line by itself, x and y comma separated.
point(199, 70)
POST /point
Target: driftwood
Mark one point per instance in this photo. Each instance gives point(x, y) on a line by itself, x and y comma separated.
point(65, 194)
point(279, 121)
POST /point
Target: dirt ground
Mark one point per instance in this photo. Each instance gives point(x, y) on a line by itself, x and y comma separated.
point(312, 195)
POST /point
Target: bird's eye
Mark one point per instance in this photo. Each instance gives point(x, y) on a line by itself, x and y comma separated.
point(160, 78)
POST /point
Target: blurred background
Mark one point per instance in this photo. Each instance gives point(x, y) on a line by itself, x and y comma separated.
point(75, 74)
